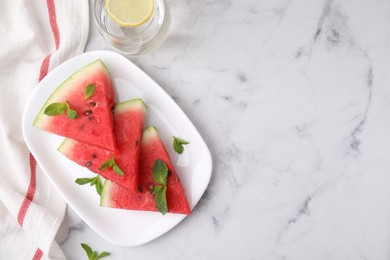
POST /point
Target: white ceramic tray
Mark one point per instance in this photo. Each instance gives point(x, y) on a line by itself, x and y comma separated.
point(120, 227)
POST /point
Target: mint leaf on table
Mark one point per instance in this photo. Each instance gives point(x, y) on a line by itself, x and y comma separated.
point(103, 254)
point(93, 255)
point(58, 108)
point(178, 144)
point(89, 90)
point(160, 175)
point(110, 163)
point(160, 172)
point(95, 181)
point(88, 250)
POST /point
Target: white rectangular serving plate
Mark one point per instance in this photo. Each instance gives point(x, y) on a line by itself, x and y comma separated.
point(120, 227)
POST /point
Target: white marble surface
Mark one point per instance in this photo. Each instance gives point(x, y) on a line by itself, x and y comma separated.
point(293, 100)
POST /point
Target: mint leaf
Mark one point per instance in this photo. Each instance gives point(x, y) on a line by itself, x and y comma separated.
point(89, 90)
point(103, 254)
point(117, 170)
point(160, 198)
point(92, 181)
point(88, 250)
point(160, 172)
point(99, 187)
point(55, 109)
point(93, 255)
point(178, 147)
point(110, 163)
point(82, 181)
point(70, 113)
point(178, 144)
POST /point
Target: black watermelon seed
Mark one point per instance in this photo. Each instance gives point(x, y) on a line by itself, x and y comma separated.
point(140, 188)
point(88, 112)
point(169, 173)
point(92, 104)
point(94, 155)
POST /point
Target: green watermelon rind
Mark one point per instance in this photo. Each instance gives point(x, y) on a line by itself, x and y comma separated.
point(58, 95)
point(149, 133)
point(132, 104)
point(66, 145)
point(105, 200)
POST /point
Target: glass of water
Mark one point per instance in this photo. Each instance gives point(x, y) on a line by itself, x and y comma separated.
point(135, 39)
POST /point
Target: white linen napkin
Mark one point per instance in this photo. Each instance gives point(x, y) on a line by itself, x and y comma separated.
point(36, 36)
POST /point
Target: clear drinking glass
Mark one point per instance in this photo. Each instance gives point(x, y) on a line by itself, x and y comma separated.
point(138, 39)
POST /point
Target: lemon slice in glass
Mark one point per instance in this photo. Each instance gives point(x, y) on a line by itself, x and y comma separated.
point(130, 12)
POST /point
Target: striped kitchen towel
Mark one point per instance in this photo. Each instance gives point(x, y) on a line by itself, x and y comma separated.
point(36, 36)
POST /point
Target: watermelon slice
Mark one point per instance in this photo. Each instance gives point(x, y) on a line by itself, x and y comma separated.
point(129, 119)
point(152, 148)
point(94, 124)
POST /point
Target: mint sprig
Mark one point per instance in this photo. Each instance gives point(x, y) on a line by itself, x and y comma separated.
point(92, 181)
point(110, 163)
point(89, 90)
point(93, 255)
point(160, 175)
point(58, 108)
point(178, 144)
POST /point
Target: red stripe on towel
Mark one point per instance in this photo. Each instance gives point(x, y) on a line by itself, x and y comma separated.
point(38, 254)
point(33, 163)
point(30, 192)
point(53, 22)
point(44, 67)
point(42, 73)
point(56, 33)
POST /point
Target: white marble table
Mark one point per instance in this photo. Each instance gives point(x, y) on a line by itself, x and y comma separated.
point(293, 100)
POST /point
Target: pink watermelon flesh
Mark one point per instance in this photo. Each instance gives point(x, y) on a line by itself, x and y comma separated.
point(129, 119)
point(94, 124)
point(152, 148)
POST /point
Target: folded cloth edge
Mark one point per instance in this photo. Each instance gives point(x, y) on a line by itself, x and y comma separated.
point(23, 198)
